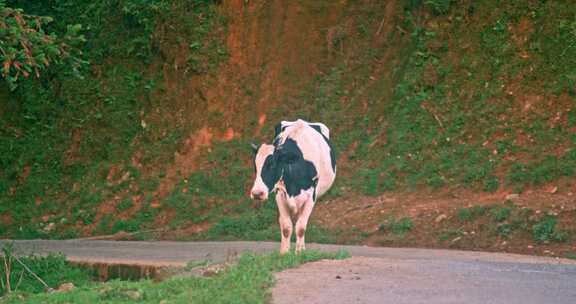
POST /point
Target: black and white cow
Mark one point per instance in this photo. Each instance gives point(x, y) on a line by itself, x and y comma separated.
point(300, 166)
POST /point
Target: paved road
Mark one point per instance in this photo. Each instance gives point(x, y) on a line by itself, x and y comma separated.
point(373, 275)
point(409, 281)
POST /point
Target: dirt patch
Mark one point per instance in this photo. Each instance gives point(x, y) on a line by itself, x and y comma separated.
point(185, 160)
point(520, 35)
point(5, 219)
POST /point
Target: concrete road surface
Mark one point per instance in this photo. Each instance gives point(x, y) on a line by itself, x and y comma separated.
point(372, 275)
point(412, 281)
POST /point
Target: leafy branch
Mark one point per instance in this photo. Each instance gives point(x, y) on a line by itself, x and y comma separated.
point(27, 49)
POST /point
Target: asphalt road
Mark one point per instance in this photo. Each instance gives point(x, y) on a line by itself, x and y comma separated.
point(372, 275)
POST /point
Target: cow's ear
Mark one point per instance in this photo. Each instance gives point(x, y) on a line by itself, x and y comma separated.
point(254, 147)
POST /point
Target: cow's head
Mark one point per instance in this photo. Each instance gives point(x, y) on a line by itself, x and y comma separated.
point(267, 171)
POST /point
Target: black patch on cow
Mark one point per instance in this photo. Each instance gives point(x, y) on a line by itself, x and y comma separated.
point(315, 188)
point(297, 173)
point(270, 171)
point(287, 162)
point(316, 127)
point(332, 153)
point(279, 129)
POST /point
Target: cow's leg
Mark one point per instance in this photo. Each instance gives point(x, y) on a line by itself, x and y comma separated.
point(284, 221)
point(302, 222)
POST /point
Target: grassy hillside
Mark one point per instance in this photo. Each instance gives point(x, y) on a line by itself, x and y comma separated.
point(420, 96)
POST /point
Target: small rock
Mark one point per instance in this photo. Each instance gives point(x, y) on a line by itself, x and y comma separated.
point(338, 277)
point(553, 190)
point(433, 24)
point(49, 227)
point(65, 287)
point(504, 243)
point(529, 246)
point(124, 177)
point(512, 196)
point(440, 218)
point(134, 294)
point(155, 204)
point(456, 240)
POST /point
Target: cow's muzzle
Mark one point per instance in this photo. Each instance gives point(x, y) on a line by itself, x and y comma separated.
point(258, 195)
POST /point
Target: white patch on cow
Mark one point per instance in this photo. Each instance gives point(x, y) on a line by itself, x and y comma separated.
point(323, 128)
point(259, 186)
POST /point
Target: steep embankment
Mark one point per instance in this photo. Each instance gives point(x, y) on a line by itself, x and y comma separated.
point(435, 107)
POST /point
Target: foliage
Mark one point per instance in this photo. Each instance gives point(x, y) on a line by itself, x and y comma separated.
point(100, 116)
point(52, 269)
point(27, 48)
point(501, 213)
point(545, 230)
point(471, 213)
point(397, 226)
point(248, 281)
point(439, 7)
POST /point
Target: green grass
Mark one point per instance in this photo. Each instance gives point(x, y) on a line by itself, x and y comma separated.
point(397, 226)
point(471, 213)
point(499, 219)
point(53, 269)
point(249, 281)
point(546, 230)
point(501, 213)
point(124, 205)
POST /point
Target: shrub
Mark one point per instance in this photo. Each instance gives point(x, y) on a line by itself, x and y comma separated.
point(501, 213)
point(545, 230)
point(395, 226)
point(52, 269)
point(470, 214)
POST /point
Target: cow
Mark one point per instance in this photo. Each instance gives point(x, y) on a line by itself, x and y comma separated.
point(300, 166)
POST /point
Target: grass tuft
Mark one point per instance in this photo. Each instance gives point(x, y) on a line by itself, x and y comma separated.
point(249, 281)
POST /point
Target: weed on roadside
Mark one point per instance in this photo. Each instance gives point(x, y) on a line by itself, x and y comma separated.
point(546, 230)
point(51, 270)
point(471, 213)
point(397, 226)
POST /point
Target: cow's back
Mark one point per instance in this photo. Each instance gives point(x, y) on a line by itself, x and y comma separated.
point(315, 148)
